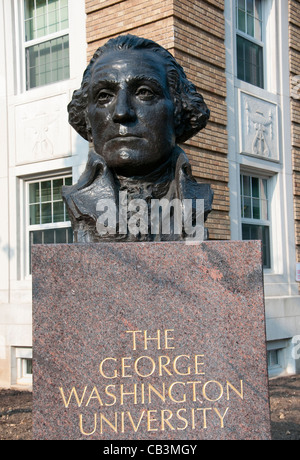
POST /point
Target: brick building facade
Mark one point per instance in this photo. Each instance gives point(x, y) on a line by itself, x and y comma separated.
point(294, 58)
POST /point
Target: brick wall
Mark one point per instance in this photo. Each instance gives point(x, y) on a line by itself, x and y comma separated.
point(199, 47)
point(294, 54)
point(194, 32)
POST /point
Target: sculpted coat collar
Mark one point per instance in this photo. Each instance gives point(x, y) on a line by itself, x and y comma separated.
point(171, 180)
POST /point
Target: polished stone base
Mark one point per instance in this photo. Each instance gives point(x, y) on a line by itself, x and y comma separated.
point(149, 341)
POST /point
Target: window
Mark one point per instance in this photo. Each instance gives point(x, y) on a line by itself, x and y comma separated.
point(48, 218)
point(273, 358)
point(46, 41)
point(21, 366)
point(255, 213)
point(249, 41)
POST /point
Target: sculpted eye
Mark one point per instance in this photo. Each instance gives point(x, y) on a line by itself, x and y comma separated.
point(105, 96)
point(145, 93)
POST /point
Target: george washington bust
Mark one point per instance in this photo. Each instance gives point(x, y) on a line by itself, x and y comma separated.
point(134, 106)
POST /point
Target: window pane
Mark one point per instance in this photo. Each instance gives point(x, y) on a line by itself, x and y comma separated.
point(250, 25)
point(34, 214)
point(28, 366)
point(61, 235)
point(255, 187)
point(34, 192)
point(41, 19)
point(259, 232)
point(57, 185)
point(264, 189)
point(241, 4)
point(247, 208)
point(258, 9)
point(68, 181)
point(46, 213)
point(46, 191)
point(246, 186)
point(241, 21)
point(250, 7)
point(37, 237)
point(264, 210)
point(48, 236)
point(48, 62)
point(70, 235)
point(250, 62)
point(58, 211)
point(45, 17)
point(256, 208)
point(258, 30)
point(29, 19)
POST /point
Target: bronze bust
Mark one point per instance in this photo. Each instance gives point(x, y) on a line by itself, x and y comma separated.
point(134, 106)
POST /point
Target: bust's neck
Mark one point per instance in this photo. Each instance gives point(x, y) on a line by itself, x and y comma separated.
point(161, 174)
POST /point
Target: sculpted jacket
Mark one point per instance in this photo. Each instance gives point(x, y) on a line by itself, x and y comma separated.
point(172, 180)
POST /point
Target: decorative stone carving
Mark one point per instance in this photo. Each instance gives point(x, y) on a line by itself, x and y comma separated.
point(259, 127)
point(43, 130)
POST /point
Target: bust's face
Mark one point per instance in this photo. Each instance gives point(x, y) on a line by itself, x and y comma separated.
point(131, 111)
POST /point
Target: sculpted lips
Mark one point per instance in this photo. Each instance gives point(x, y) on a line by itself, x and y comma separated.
point(125, 137)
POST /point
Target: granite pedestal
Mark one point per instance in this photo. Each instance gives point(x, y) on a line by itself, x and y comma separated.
point(149, 341)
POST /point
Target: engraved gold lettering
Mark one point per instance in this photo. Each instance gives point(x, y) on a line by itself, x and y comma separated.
point(110, 394)
point(170, 392)
point(193, 418)
point(204, 390)
point(146, 339)
point(135, 427)
point(239, 393)
point(97, 396)
point(221, 416)
point(162, 365)
point(143, 393)
point(81, 427)
point(165, 420)
point(123, 366)
point(123, 393)
point(73, 391)
point(194, 388)
point(167, 338)
point(101, 369)
point(122, 422)
point(175, 365)
point(182, 418)
point(149, 420)
point(136, 366)
point(113, 427)
point(198, 364)
point(133, 338)
point(161, 396)
point(204, 415)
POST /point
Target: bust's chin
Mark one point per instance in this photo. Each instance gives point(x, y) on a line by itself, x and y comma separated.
point(130, 162)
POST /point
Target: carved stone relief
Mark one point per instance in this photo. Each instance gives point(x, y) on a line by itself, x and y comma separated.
point(43, 130)
point(259, 127)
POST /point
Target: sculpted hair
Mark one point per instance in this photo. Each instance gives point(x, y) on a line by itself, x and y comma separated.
point(190, 114)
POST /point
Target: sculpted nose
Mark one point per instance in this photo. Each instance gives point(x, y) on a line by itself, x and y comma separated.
point(123, 110)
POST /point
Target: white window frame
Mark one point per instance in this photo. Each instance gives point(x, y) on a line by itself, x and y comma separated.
point(262, 222)
point(39, 227)
point(260, 43)
point(37, 41)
